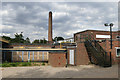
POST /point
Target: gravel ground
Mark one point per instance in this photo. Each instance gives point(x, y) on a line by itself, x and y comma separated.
point(83, 71)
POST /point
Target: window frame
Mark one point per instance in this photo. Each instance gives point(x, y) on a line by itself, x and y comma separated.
point(117, 37)
point(76, 38)
point(116, 51)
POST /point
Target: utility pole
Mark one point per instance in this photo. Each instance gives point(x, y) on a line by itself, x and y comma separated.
point(111, 25)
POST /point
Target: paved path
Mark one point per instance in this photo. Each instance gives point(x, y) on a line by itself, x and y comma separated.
point(83, 71)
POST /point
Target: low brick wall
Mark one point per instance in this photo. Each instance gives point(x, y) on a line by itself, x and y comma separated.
point(57, 59)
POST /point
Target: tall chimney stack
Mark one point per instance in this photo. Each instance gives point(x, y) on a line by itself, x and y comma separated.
point(50, 27)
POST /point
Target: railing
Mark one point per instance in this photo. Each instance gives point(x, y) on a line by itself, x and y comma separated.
point(96, 50)
point(94, 53)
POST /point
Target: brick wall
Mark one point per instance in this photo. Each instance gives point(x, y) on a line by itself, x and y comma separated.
point(105, 45)
point(81, 55)
point(57, 59)
point(94, 32)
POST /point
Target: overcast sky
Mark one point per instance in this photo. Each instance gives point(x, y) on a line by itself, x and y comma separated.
point(31, 18)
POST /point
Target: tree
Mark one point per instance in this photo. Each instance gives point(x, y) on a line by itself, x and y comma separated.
point(58, 38)
point(6, 38)
point(36, 41)
point(44, 41)
point(18, 38)
point(27, 40)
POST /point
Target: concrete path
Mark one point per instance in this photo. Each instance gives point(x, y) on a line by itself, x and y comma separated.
point(83, 71)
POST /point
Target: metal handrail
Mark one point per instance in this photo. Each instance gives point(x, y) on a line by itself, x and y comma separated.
point(98, 52)
point(95, 53)
point(102, 60)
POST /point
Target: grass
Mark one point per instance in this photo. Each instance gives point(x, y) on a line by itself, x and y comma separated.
point(16, 64)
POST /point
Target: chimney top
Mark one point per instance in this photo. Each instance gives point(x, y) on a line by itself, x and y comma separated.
point(50, 11)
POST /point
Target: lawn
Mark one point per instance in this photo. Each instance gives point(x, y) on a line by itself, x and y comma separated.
point(16, 64)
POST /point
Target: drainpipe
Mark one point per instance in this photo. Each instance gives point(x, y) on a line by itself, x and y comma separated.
point(66, 58)
point(75, 56)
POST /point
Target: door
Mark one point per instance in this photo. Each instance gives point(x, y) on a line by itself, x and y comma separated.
point(71, 57)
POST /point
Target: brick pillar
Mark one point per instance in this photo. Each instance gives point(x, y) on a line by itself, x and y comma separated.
point(50, 27)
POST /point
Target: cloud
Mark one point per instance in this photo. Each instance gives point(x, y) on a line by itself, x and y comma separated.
point(31, 18)
point(4, 34)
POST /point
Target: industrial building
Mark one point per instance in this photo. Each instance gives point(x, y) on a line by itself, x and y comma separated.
point(89, 46)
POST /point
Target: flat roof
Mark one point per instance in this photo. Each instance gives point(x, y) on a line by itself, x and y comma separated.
point(34, 49)
point(3, 40)
point(95, 30)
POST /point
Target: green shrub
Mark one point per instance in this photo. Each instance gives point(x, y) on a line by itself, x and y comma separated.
point(14, 64)
point(26, 64)
point(29, 64)
point(0, 65)
point(36, 65)
point(43, 63)
point(6, 65)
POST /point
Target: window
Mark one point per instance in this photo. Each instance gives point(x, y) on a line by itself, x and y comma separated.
point(76, 38)
point(118, 37)
point(28, 56)
point(118, 52)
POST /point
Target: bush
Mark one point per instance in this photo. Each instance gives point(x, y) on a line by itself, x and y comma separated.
point(36, 65)
point(14, 64)
point(6, 65)
point(0, 65)
point(26, 64)
point(29, 64)
point(43, 63)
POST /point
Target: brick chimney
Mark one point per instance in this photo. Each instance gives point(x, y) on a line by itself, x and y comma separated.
point(50, 27)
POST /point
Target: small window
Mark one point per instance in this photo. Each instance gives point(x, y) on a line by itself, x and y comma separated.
point(76, 38)
point(118, 52)
point(118, 37)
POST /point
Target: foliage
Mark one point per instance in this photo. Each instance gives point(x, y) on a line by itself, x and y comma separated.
point(27, 40)
point(43, 63)
point(6, 38)
point(15, 64)
point(19, 38)
point(6, 65)
point(0, 65)
point(36, 41)
point(43, 41)
point(58, 38)
point(26, 64)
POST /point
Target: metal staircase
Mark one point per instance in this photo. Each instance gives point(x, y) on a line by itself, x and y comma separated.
point(96, 53)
